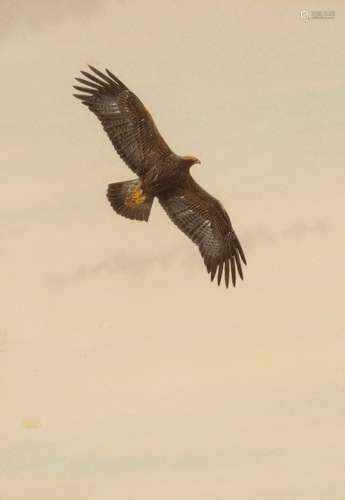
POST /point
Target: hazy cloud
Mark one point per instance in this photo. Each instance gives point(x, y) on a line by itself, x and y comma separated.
point(2, 341)
point(119, 263)
point(297, 231)
point(300, 230)
point(138, 265)
point(20, 18)
point(258, 236)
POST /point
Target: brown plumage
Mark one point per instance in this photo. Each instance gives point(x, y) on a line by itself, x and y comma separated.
point(161, 173)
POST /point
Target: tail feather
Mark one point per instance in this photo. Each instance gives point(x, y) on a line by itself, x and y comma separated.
point(128, 199)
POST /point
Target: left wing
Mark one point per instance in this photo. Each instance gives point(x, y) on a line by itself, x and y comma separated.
point(203, 219)
point(125, 119)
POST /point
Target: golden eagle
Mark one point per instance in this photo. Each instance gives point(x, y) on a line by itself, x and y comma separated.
point(161, 173)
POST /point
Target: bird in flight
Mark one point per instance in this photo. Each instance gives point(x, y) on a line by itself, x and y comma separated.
point(162, 174)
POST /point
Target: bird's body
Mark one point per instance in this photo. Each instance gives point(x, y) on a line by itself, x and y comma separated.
point(171, 171)
point(161, 173)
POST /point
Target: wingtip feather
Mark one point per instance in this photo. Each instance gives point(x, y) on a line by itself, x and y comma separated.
point(220, 272)
point(227, 273)
point(233, 270)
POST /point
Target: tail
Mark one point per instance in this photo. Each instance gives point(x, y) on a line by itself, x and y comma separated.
point(127, 199)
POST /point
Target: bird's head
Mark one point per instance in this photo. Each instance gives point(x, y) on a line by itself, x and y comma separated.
point(190, 160)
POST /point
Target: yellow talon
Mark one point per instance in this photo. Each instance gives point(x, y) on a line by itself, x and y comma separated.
point(136, 197)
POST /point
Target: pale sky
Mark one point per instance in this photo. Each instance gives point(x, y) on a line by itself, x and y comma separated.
point(124, 372)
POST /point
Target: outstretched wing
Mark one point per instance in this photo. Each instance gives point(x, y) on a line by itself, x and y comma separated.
point(127, 122)
point(203, 219)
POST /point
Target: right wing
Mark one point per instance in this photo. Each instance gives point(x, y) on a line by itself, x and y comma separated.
point(203, 219)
